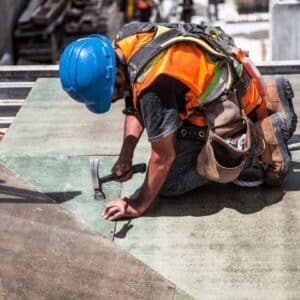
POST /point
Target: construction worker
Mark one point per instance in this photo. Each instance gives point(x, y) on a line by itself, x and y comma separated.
point(206, 111)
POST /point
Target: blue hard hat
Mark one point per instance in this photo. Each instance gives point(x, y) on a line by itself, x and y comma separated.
point(87, 71)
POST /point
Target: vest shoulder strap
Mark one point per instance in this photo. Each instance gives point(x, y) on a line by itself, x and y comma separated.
point(211, 39)
point(133, 28)
point(143, 56)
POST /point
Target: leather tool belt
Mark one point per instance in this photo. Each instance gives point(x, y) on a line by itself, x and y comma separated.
point(218, 160)
point(192, 133)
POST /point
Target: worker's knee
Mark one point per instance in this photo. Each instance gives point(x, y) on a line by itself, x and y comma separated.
point(181, 183)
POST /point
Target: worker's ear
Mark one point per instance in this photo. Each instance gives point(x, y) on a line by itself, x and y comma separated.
point(120, 77)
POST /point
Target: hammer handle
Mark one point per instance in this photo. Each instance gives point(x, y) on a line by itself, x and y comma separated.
point(138, 168)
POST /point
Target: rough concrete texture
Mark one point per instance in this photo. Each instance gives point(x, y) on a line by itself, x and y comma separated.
point(219, 242)
point(222, 242)
point(47, 253)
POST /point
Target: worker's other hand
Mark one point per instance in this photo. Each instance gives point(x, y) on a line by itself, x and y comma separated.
point(121, 208)
point(123, 169)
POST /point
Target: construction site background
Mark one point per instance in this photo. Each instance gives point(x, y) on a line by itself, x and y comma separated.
point(36, 31)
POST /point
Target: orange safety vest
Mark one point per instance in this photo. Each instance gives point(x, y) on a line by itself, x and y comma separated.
point(187, 63)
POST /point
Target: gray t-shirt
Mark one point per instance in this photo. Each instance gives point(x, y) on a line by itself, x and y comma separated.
point(159, 106)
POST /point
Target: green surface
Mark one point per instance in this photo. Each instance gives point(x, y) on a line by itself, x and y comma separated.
point(181, 295)
point(68, 181)
point(50, 123)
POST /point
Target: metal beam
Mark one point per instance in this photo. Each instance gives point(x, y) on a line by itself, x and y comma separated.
point(9, 108)
point(15, 90)
point(27, 73)
point(279, 67)
point(31, 73)
point(5, 122)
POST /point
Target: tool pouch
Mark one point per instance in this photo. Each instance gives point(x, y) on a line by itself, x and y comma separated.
point(224, 115)
point(218, 160)
point(221, 162)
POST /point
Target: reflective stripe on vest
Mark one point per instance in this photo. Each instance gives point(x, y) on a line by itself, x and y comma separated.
point(217, 85)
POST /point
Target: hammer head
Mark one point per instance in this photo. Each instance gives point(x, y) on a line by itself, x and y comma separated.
point(97, 181)
point(94, 164)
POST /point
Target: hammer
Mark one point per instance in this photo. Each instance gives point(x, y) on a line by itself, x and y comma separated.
point(98, 181)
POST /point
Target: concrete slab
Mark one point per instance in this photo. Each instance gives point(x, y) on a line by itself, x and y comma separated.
point(68, 181)
point(46, 253)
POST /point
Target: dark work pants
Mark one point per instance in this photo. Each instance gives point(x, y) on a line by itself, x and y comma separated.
point(183, 176)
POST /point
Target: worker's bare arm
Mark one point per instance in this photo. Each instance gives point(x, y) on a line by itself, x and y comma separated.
point(133, 130)
point(162, 156)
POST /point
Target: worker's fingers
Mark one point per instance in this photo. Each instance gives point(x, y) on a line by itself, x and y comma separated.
point(122, 167)
point(117, 216)
point(125, 177)
point(111, 211)
point(119, 204)
point(128, 212)
point(120, 208)
point(123, 171)
point(108, 206)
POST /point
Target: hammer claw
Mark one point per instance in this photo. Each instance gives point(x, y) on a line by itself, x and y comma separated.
point(98, 181)
point(99, 195)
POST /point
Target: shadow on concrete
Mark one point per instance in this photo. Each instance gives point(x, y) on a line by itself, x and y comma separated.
point(60, 197)
point(212, 198)
point(121, 234)
point(18, 195)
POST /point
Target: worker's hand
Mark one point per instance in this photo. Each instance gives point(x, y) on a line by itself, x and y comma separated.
point(122, 169)
point(121, 208)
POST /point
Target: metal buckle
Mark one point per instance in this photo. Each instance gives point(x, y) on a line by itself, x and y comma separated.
point(192, 133)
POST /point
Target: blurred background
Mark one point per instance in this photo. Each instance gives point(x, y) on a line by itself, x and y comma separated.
point(36, 31)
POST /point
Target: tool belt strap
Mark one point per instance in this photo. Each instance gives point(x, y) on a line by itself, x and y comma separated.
point(192, 133)
point(242, 84)
point(220, 161)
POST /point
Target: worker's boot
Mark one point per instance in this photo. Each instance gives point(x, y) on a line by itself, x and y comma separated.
point(275, 156)
point(279, 100)
point(273, 132)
